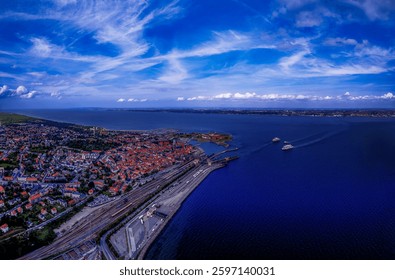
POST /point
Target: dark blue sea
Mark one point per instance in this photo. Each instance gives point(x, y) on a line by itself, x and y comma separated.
point(332, 197)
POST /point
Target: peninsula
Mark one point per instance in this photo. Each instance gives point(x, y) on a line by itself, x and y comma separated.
point(64, 188)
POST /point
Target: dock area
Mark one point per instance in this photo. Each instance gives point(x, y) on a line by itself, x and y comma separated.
point(133, 240)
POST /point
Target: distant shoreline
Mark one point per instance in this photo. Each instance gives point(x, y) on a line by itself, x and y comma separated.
point(368, 112)
point(377, 113)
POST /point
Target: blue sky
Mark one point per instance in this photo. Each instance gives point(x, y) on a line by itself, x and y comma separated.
point(197, 53)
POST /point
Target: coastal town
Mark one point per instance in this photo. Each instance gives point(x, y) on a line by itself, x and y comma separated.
point(48, 169)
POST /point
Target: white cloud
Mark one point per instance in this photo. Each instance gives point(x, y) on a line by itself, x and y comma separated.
point(222, 42)
point(275, 96)
point(121, 100)
point(65, 2)
point(134, 100)
point(295, 4)
point(223, 96)
point(120, 23)
point(363, 59)
point(364, 51)
point(374, 9)
point(304, 64)
point(29, 94)
point(56, 94)
point(340, 41)
point(388, 95)
point(200, 97)
point(246, 95)
point(175, 72)
point(21, 90)
point(287, 62)
point(349, 70)
point(287, 97)
point(3, 89)
point(41, 47)
point(369, 51)
point(308, 19)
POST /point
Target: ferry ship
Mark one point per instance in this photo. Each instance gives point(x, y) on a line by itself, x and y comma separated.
point(287, 147)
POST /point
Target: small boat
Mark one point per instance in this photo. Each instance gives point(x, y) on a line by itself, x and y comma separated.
point(276, 140)
point(287, 147)
point(286, 142)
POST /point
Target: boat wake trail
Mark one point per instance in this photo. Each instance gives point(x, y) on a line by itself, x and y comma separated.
point(307, 138)
point(318, 140)
point(267, 144)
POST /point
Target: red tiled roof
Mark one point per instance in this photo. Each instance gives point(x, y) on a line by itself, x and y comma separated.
point(31, 179)
point(71, 202)
point(34, 197)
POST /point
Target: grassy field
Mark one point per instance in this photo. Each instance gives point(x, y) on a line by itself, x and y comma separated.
point(8, 118)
